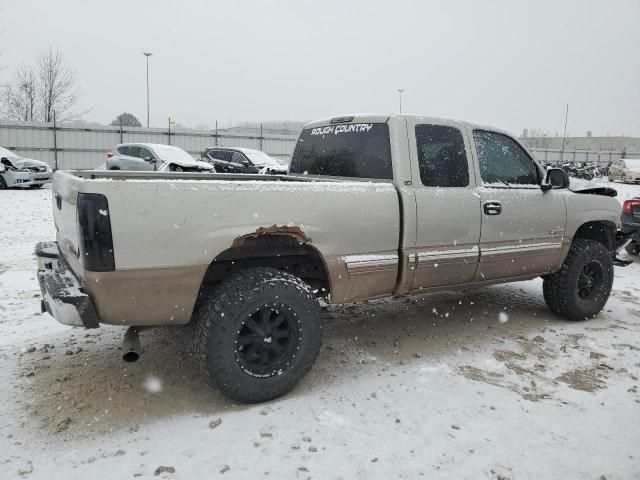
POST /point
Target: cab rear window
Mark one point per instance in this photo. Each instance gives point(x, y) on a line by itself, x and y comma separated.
point(344, 150)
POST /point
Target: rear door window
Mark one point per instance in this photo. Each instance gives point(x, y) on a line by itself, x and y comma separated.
point(128, 150)
point(345, 150)
point(441, 156)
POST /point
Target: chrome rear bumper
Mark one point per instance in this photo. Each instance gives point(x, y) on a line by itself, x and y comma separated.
point(63, 296)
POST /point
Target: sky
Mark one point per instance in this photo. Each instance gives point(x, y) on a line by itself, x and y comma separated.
point(510, 64)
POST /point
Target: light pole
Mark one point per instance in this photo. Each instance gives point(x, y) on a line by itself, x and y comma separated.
point(400, 90)
point(564, 134)
point(147, 54)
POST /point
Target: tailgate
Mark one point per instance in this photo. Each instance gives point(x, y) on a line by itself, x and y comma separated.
point(65, 195)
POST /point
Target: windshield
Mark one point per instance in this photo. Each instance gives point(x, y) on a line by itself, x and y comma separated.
point(173, 154)
point(632, 163)
point(261, 158)
point(7, 153)
point(345, 150)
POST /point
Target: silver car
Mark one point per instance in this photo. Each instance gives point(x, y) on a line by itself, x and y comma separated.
point(21, 172)
point(153, 157)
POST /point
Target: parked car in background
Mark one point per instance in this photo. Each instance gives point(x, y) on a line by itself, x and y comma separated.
point(625, 170)
point(630, 219)
point(153, 156)
point(243, 160)
point(21, 172)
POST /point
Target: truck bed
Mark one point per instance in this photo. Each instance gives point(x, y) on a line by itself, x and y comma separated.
point(167, 229)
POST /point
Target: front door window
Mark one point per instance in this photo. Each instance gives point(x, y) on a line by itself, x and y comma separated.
point(503, 162)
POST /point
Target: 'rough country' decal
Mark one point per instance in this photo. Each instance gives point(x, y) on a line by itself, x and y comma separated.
point(338, 129)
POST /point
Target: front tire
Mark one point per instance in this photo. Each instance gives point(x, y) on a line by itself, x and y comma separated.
point(582, 286)
point(257, 334)
point(3, 183)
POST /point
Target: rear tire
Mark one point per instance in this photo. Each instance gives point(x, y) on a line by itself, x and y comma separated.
point(582, 286)
point(257, 334)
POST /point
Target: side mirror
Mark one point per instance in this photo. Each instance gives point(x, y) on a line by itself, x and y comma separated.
point(245, 163)
point(149, 159)
point(556, 178)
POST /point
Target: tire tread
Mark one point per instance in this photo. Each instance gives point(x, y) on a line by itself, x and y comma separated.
point(556, 288)
point(213, 317)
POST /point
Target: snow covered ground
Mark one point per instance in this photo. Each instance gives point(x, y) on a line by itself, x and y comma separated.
point(476, 383)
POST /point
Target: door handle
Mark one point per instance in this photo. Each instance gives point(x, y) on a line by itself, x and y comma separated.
point(492, 208)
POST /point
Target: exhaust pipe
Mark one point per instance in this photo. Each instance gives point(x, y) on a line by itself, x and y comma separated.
point(131, 345)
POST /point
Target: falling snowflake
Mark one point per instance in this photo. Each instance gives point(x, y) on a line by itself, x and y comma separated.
point(152, 384)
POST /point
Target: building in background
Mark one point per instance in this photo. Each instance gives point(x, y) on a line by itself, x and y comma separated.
point(602, 150)
point(588, 142)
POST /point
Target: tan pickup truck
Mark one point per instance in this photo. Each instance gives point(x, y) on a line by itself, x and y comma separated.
point(373, 206)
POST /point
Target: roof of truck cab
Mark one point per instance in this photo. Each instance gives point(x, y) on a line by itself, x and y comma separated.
point(385, 117)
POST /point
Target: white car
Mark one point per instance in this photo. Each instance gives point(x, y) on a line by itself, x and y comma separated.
point(21, 172)
point(153, 156)
point(625, 170)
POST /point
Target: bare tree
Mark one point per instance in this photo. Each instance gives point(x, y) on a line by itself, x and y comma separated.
point(56, 85)
point(20, 98)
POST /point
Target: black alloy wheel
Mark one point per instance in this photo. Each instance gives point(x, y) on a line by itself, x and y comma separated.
point(267, 341)
point(590, 279)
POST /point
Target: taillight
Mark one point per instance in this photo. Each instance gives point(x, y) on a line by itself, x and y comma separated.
point(629, 204)
point(94, 233)
point(109, 154)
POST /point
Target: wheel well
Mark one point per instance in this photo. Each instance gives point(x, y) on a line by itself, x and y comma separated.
point(602, 232)
point(282, 252)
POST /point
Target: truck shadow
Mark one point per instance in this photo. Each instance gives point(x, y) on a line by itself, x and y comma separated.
point(80, 385)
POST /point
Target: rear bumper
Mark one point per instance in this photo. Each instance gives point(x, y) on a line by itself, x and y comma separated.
point(629, 223)
point(63, 296)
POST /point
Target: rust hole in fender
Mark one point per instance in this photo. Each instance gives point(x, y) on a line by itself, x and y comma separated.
point(294, 231)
